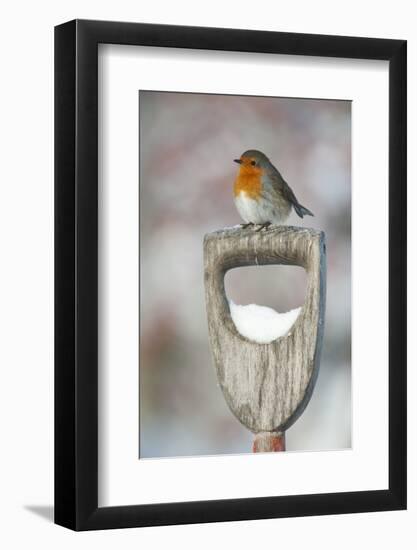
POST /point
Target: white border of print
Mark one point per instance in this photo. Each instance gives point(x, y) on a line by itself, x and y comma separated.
point(123, 479)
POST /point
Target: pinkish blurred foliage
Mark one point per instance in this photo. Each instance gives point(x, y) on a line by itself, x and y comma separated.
point(187, 145)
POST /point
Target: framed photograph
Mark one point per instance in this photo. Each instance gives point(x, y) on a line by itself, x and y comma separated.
point(230, 275)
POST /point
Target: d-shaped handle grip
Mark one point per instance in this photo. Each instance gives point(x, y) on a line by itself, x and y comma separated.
point(267, 386)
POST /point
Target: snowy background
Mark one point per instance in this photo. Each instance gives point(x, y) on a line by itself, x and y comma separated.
point(187, 146)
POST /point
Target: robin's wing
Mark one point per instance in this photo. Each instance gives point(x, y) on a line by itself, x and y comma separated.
point(281, 188)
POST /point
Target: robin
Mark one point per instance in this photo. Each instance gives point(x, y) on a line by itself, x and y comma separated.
point(262, 196)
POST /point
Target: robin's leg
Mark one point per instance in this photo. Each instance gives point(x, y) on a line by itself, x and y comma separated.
point(245, 225)
point(263, 226)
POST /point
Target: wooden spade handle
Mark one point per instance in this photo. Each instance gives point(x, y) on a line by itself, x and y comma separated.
point(267, 386)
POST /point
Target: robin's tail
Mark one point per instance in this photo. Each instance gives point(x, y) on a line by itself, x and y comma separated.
point(302, 211)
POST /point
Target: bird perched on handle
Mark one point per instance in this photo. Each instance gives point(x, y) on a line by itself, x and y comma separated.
point(262, 196)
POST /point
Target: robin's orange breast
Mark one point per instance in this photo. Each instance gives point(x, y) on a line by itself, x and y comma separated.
point(249, 181)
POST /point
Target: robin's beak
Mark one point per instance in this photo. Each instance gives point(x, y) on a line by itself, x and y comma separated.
point(237, 160)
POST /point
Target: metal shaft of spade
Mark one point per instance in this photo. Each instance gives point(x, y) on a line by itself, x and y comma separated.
point(266, 386)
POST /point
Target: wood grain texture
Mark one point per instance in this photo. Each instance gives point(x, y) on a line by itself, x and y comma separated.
point(267, 386)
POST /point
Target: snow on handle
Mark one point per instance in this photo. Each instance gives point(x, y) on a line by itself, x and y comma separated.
point(260, 323)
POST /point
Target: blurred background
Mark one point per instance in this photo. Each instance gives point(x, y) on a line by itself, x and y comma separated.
point(187, 146)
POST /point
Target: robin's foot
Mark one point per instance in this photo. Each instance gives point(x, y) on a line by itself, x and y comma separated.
point(245, 225)
point(263, 226)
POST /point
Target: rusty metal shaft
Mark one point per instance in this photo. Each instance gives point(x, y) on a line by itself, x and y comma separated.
point(269, 442)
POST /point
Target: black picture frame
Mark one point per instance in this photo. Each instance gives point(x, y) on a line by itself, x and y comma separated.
point(76, 272)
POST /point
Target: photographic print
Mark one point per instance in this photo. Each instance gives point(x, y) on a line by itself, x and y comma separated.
point(256, 190)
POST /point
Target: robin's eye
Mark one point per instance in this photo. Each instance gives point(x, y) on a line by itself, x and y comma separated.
point(253, 162)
